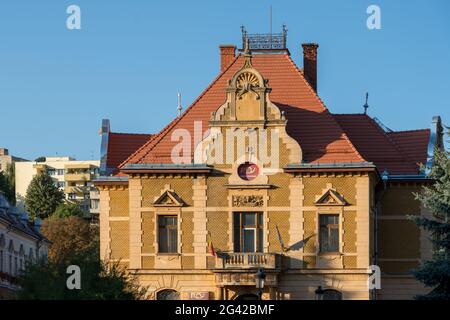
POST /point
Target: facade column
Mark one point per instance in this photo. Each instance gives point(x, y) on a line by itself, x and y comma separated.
point(135, 202)
point(362, 221)
point(200, 232)
point(296, 230)
point(105, 237)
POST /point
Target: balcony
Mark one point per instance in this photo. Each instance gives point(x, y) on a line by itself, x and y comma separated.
point(79, 190)
point(78, 177)
point(240, 260)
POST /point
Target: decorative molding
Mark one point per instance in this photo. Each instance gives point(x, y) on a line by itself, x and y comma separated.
point(331, 198)
point(169, 199)
point(248, 201)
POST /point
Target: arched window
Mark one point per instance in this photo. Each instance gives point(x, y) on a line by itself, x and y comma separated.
point(168, 294)
point(331, 294)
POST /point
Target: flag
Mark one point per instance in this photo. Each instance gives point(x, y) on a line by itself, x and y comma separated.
point(281, 240)
point(210, 246)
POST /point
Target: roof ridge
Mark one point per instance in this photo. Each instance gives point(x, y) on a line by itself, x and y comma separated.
point(407, 131)
point(171, 124)
point(348, 114)
point(344, 135)
point(136, 134)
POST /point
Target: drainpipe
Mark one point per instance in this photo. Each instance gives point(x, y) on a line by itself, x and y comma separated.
point(385, 179)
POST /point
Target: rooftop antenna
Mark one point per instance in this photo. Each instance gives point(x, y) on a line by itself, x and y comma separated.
point(366, 105)
point(179, 108)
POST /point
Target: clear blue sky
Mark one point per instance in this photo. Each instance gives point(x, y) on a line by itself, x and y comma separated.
point(130, 59)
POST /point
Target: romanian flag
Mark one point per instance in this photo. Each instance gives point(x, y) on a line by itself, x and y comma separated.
point(210, 246)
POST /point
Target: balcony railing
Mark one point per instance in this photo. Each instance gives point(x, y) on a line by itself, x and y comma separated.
point(246, 260)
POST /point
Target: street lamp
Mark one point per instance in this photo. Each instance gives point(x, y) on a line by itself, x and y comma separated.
point(319, 293)
point(260, 278)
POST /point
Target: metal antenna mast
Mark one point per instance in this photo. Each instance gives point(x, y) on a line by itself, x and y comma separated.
point(366, 105)
point(179, 108)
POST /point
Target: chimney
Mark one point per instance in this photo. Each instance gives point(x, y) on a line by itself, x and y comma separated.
point(4, 152)
point(227, 55)
point(310, 63)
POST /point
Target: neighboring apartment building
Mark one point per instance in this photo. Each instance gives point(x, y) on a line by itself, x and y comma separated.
point(194, 213)
point(7, 159)
point(20, 241)
point(71, 176)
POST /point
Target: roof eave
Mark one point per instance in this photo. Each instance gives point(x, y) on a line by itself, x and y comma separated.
point(330, 167)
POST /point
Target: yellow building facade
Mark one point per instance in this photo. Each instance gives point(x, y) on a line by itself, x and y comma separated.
point(195, 215)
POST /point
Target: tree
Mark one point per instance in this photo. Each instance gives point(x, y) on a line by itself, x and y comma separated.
point(76, 243)
point(40, 159)
point(435, 273)
point(65, 210)
point(42, 197)
point(71, 236)
point(45, 280)
point(7, 188)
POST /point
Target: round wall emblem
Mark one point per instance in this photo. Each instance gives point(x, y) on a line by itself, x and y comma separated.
point(248, 171)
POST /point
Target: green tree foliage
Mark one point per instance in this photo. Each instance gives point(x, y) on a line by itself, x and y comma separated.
point(435, 273)
point(66, 210)
point(47, 280)
point(42, 197)
point(75, 242)
point(7, 188)
point(40, 159)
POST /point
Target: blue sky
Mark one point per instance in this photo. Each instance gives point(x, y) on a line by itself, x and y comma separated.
point(130, 59)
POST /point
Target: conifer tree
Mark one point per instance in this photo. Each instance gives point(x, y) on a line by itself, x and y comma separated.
point(435, 273)
point(43, 196)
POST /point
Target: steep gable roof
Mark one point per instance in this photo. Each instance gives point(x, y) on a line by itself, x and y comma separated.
point(398, 152)
point(121, 145)
point(309, 121)
point(413, 143)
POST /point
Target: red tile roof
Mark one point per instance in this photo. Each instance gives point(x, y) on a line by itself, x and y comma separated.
point(398, 152)
point(413, 143)
point(323, 137)
point(309, 121)
point(121, 145)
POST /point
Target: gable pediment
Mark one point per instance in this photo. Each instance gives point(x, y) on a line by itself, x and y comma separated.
point(169, 199)
point(331, 198)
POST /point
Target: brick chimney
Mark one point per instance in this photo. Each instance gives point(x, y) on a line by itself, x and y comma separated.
point(310, 63)
point(227, 55)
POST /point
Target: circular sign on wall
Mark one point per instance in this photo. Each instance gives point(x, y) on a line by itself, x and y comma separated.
point(248, 171)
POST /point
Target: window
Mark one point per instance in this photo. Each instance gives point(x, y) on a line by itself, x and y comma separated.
point(331, 294)
point(248, 232)
point(31, 255)
point(60, 172)
point(61, 184)
point(94, 203)
point(167, 295)
point(51, 172)
point(329, 233)
point(167, 234)
point(1, 260)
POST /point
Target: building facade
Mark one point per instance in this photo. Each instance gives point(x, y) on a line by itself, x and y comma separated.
point(20, 242)
point(257, 173)
point(73, 177)
point(6, 159)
